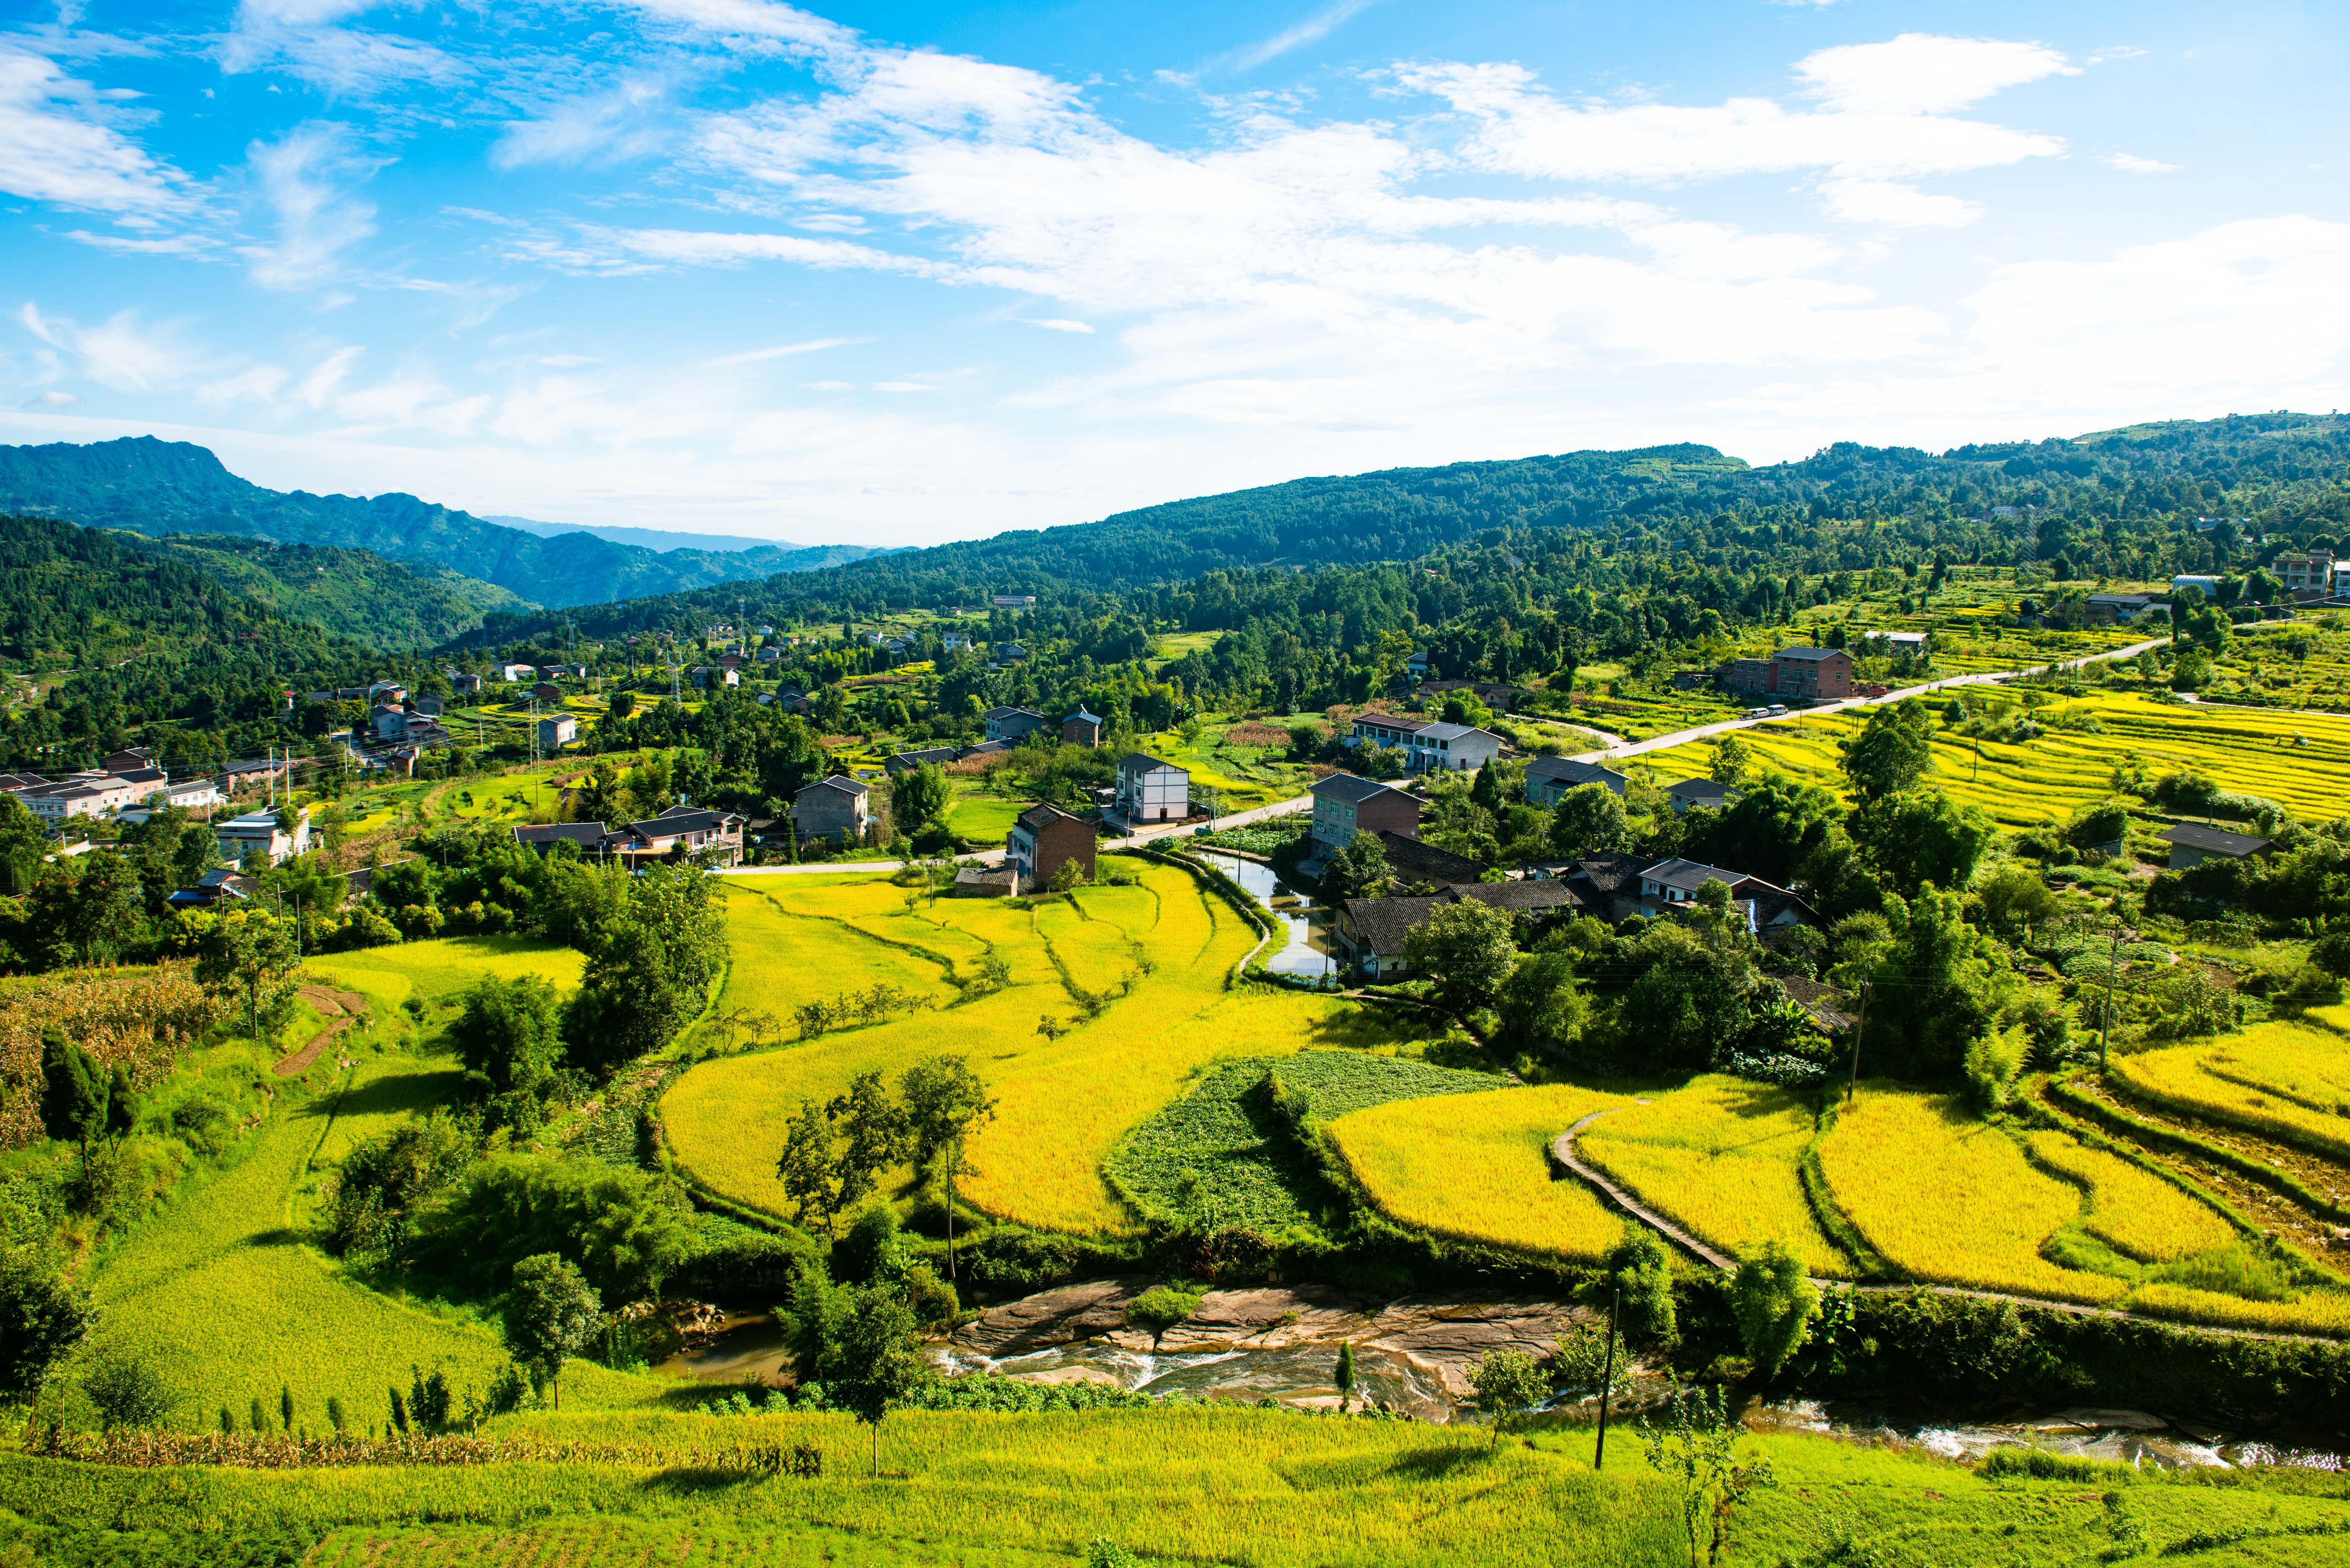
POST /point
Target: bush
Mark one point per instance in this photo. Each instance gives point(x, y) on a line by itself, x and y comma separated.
point(2006, 1462)
point(1161, 1307)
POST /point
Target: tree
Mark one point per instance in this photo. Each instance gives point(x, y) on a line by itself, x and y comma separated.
point(126, 1391)
point(1688, 1001)
point(2095, 827)
point(805, 1167)
point(1342, 1376)
point(1732, 760)
point(1921, 836)
point(873, 1139)
point(1359, 870)
point(1507, 1382)
point(552, 1315)
point(42, 1319)
point(1588, 820)
point(509, 1035)
point(1640, 1271)
point(1894, 750)
point(1540, 1006)
point(944, 1103)
point(1933, 988)
point(1695, 1445)
point(1775, 1305)
point(74, 1092)
point(2014, 900)
point(918, 796)
point(1466, 950)
point(248, 948)
point(879, 1358)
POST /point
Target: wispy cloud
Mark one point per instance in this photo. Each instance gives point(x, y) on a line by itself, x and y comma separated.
point(301, 177)
point(1311, 30)
point(786, 351)
point(2131, 163)
point(1061, 324)
point(57, 145)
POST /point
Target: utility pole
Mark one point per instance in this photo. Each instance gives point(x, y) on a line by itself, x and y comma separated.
point(1607, 1380)
point(2106, 1019)
point(1859, 1025)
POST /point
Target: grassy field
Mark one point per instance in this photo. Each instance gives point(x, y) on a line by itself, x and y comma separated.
point(1476, 1168)
point(2280, 1079)
point(982, 818)
point(1720, 1157)
point(1062, 1103)
point(2301, 761)
point(438, 969)
point(1223, 1484)
point(226, 1296)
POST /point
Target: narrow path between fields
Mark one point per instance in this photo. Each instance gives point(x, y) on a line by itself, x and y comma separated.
point(341, 1009)
point(1562, 1149)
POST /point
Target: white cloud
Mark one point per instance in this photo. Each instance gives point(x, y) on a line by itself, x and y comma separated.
point(317, 220)
point(122, 353)
point(1922, 73)
point(904, 387)
point(784, 351)
point(1890, 204)
point(56, 145)
point(1059, 324)
point(305, 38)
point(1311, 30)
point(2130, 163)
point(625, 122)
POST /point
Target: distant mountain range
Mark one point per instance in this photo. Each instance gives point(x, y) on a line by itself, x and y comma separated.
point(663, 541)
point(158, 487)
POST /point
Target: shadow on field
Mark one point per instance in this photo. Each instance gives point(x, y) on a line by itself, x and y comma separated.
point(1438, 1464)
point(283, 1236)
point(404, 1092)
point(694, 1480)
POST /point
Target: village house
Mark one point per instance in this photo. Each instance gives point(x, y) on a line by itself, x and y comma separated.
point(2108, 609)
point(1370, 932)
point(1344, 806)
point(465, 685)
point(1549, 778)
point(1150, 789)
point(681, 830)
point(2192, 845)
point(2314, 570)
point(221, 885)
point(1796, 674)
point(900, 762)
point(1704, 793)
point(836, 807)
point(257, 834)
point(1388, 729)
point(1081, 729)
point(83, 794)
point(1042, 839)
point(556, 732)
point(547, 691)
point(1013, 601)
point(1452, 748)
point(512, 672)
point(541, 837)
point(1011, 723)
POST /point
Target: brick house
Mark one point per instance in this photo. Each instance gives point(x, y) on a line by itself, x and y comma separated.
point(1081, 729)
point(1344, 806)
point(1042, 839)
point(1011, 724)
point(1810, 674)
point(836, 807)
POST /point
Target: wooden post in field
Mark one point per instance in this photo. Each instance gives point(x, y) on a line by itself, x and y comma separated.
point(1607, 1381)
point(1853, 1088)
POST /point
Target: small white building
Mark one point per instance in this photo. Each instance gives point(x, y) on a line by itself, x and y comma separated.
point(84, 795)
point(1452, 748)
point(257, 833)
point(1151, 790)
point(517, 672)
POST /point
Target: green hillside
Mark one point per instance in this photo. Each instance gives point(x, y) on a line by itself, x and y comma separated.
point(172, 487)
point(378, 602)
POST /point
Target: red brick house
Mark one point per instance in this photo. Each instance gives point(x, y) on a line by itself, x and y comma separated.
point(1042, 839)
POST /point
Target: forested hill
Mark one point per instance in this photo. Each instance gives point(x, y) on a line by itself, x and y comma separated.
point(174, 487)
point(139, 634)
point(2120, 501)
point(359, 592)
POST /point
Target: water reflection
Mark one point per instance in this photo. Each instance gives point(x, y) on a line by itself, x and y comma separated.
point(1309, 954)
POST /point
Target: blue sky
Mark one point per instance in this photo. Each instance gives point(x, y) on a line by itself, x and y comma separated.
point(893, 275)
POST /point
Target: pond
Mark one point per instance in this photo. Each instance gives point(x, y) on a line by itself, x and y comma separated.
point(1309, 955)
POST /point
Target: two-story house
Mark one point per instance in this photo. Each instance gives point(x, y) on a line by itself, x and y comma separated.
point(1389, 730)
point(682, 829)
point(1452, 748)
point(1042, 839)
point(256, 833)
point(1150, 789)
point(836, 807)
point(1344, 806)
point(1802, 674)
point(556, 732)
point(1011, 723)
point(1081, 729)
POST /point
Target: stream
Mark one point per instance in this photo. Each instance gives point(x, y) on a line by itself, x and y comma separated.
point(750, 1348)
point(1309, 952)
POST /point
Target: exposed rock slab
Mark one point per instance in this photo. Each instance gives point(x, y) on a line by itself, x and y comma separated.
point(1068, 1315)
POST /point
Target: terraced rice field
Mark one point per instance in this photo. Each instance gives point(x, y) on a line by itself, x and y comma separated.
point(2130, 1210)
point(440, 968)
point(1952, 1200)
point(2280, 1079)
point(2300, 760)
point(1476, 1168)
point(777, 958)
point(1720, 1157)
point(1063, 1104)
